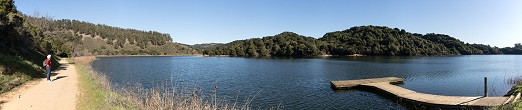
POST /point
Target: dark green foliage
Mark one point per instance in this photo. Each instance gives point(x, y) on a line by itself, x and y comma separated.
point(461, 47)
point(380, 40)
point(13, 34)
point(284, 44)
point(67, 37)
point(486, 49)
point(119, 35)
point(21, 53)
point(366, 40)
point(205, 48)
point(7, 10)
point(25, 41)
point(513, 50)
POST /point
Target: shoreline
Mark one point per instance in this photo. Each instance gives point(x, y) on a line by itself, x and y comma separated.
point(322, 56)
point(146, 55)
point(98, 94)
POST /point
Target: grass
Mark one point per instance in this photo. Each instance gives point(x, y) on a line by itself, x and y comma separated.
point(517, 88)
point(96, 93)
point(92, 96)
point(517, 106)
point(9, 82)
point(15, 70)
point(517, 82)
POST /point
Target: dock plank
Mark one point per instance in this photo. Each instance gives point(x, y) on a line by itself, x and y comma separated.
point(490, 101)
point(395, 90)
point(351, 83)
point(385, 85)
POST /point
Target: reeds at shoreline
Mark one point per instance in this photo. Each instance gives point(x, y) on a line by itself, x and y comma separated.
point(164, 96)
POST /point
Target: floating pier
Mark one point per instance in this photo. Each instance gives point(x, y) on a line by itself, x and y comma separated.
point(346, 84)
point(386, 85)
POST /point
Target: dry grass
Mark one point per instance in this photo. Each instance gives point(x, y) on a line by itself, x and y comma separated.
point(84, 60)
point(167, 97)
point(97, 93)
point(516, 82)
point(517, 87)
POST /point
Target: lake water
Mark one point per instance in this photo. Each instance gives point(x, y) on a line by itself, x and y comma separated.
point(304, 83)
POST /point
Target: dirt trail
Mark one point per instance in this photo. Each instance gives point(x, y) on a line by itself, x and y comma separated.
point(60, 94)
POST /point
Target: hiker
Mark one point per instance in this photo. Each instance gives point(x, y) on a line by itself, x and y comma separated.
point(48, 67)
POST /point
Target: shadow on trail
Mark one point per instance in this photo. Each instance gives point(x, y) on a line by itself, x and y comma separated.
point(59, 77)
point(61, 67)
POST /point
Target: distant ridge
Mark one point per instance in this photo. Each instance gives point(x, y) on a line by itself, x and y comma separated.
point(360, 40)
point(74, 37)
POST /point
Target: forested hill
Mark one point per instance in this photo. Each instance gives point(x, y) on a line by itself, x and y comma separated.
point(20, 54)
point(284, 44)
point(83, 38)
point(461, 47)
point(117, 34)
point(379, 40)
point(365, 40)
point(25, 41)
point(202, 47)
point(517, 49)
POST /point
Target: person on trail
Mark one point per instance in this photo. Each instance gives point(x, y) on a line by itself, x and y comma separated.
point(48, 67)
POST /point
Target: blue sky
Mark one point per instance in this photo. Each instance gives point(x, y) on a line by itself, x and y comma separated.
point(493, 22)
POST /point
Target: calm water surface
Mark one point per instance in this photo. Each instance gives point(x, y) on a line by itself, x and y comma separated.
point(304, 83)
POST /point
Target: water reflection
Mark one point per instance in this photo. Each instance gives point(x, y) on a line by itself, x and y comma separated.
point(304, 83)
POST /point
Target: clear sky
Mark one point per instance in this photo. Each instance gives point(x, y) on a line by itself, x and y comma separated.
point(493, 22)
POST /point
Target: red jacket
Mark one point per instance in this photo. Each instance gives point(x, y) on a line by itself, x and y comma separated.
point(48, 63)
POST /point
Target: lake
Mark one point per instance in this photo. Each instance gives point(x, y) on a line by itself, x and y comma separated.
point(304, 83)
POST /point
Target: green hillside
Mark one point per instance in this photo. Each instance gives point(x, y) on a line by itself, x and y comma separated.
point(380, 40)
point(283, 44)
point(365, 40)
point(74, 37)
point(461, 47)
point(517, 49)
point(20, 53)
point(25, 40)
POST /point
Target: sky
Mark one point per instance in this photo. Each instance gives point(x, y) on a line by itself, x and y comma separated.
point(491, 22)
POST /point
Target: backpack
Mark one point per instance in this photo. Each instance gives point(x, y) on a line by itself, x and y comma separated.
point(44, 63)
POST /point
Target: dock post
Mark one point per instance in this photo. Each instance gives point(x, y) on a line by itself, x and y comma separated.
point(485, 86)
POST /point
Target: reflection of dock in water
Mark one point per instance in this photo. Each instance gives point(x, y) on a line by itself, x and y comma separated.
point(385, 85)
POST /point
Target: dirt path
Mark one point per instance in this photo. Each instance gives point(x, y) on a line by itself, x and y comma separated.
point(60, 94)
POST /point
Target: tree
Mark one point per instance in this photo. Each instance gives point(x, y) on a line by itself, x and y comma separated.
point(252, 51)
point(367, 40)
point(7, 10)
point(116, 39)
point(263, 51)
point(513, 50)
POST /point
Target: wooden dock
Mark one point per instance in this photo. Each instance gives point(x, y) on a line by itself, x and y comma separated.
point(385, 85)
point(345, 84)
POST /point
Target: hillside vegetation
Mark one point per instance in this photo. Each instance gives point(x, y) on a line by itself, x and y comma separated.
point(78, 38)
point(366, 40)
point(461, 47)
point(513, 50)
point(284, 44)
point(25, 40)
point(20, 59)
point(379, 40)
